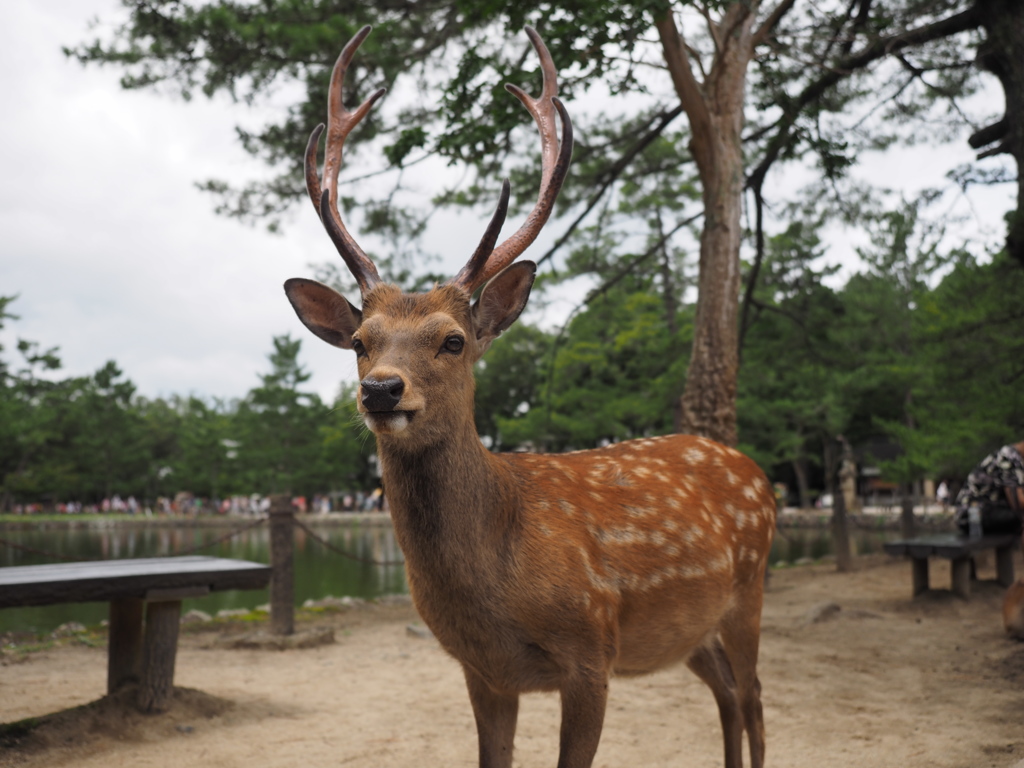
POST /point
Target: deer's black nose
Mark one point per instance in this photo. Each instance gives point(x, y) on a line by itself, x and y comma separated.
point(382, 395)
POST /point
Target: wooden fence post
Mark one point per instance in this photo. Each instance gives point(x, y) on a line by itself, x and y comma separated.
point(282, 588)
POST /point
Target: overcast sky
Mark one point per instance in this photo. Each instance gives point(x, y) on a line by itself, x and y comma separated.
point(115, 254)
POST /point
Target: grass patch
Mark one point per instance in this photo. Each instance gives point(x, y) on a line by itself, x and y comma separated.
point(11, 734)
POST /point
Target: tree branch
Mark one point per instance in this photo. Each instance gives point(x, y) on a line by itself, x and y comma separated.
point(771, 22)
point(688, 90)
point(880, 48)
point(988, 134)
point(611, 175)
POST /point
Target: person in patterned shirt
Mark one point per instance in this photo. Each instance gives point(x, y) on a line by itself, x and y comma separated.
point(996, 485)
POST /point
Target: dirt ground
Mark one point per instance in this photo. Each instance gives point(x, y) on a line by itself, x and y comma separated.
point(884, 681)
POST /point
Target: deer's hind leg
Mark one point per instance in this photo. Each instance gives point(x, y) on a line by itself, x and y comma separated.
point(741, 634)
point(710, 663)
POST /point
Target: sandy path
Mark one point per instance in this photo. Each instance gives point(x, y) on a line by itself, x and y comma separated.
point(885, 682)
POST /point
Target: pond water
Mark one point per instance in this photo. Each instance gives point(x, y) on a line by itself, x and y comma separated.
point(318, 570)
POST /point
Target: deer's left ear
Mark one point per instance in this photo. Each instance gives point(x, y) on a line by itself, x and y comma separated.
point(324, 311)
point(502, 301)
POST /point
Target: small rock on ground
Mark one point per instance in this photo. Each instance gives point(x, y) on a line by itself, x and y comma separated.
point(263, 640)
point(822, 612)
point(419, 632)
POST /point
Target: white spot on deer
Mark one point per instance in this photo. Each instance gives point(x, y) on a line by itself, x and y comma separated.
point(672, 550)
point(567, 508)
point(544, 530)
point(731, 478)
point(637, 512)
point(692, 572)
point(694, 455)
point(596, 580)
point(750, 492)
point(641, 471)
point(720, 563)
point(674, 503)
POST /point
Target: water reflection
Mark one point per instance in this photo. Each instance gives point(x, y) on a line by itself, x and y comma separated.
point(794, 544)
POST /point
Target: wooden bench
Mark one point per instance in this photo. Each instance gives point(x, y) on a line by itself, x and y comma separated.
point(145, 607)
point(959, 551)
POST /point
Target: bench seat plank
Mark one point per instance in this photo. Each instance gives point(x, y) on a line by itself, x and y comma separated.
point(105, 580)
point(949, 546)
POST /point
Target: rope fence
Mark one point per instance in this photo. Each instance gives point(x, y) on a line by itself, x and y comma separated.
point(339, 551)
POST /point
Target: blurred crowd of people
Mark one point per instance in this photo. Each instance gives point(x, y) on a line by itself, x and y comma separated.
point(186, 504)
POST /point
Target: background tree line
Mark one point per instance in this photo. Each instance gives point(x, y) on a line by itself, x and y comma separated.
point(86, 438)
point(922, 349)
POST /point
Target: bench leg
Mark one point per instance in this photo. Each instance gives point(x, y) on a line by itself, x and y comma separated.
point(1004, 565)
point(124, 649)
point(961, 576)
point(159, 651)
point(920, 573)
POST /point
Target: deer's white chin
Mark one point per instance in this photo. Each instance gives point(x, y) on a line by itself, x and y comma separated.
point(386, 423)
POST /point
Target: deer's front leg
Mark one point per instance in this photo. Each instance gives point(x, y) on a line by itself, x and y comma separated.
point(584, 696)
point(495, 715)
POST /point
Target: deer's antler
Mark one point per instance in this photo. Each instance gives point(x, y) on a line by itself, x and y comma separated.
point(487, 261)
point(339, 123)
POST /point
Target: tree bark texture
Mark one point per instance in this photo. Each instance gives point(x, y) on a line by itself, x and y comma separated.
point(1000, 54)
point(715, 110)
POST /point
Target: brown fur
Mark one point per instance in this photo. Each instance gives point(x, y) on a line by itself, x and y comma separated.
point(554, 572)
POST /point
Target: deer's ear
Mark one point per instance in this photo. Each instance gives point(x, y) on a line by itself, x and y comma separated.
point(501, 301)
point(324, 311)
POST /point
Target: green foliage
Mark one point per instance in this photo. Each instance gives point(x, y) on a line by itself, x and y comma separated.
point(89, 438)
point(614, 377)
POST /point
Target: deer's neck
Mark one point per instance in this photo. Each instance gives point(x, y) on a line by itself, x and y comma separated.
point(448, 498)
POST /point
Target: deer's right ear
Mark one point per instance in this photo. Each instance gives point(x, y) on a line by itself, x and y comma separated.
point(324, 311)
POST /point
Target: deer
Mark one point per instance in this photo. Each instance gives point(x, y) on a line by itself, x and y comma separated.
point(540, 572)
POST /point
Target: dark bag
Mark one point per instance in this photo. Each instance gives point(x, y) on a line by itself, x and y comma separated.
point(995, 519)
point(999, 519)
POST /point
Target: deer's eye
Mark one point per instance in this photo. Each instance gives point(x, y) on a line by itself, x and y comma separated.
point(453, 344)
point(358, 348)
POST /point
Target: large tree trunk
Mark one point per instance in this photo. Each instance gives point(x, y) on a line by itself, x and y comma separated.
point(802, 487)
point(708, 403)
point(715, 110)
point(1000, 54)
